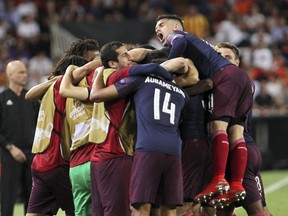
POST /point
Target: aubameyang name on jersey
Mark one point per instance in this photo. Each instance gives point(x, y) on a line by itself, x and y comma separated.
point(164, 84)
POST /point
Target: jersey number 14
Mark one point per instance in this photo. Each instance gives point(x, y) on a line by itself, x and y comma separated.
point(165, 107)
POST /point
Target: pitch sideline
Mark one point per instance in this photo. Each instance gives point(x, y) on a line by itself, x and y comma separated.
point(276, 186)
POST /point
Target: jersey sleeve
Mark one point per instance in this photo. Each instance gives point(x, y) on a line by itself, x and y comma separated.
point(118, 75)
point(129, 85)
point(178, 45)
point(150, 69)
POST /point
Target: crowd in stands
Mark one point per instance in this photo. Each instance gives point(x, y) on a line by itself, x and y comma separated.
point(258, 28)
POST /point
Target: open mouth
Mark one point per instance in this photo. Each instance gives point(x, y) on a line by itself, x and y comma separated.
point(160, 36)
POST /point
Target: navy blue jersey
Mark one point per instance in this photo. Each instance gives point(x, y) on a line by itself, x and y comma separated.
point(203, 55)
point(195, 119)
point(158, 105)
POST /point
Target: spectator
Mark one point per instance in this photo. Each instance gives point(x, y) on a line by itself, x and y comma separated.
point(254, 19)
point(242, 6)
point(195, 22)
point(275, 88)
point(229, 30)
point(4, 26)
point(262, 60)
point(263, 101)
point(283, 46)
point(12, 13)
point(51, 8)
point(96, 9)
point(73, 11)
point(261, 34)
point(28, 28)
point(278, 29)
point(20, 50)
point(27, 7)
point(40, 67)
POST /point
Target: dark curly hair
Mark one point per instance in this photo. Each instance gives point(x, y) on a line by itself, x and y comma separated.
point(63, 63)
point(81, 47)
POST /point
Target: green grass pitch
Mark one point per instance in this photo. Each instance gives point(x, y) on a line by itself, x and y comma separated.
point(276, 189)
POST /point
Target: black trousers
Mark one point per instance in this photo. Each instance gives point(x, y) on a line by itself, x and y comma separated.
point(14, 175)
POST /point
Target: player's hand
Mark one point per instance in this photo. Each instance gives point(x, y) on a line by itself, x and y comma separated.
point(17, 154)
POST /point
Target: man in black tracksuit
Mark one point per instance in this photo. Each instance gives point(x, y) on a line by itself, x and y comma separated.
point(17, 126)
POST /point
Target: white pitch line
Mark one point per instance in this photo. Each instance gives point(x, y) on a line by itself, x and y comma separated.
point(276, 186)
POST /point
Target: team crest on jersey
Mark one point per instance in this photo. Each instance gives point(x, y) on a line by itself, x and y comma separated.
point(172, 37)
point(122, 81)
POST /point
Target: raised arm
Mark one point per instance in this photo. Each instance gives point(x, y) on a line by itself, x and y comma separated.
point(67, 89)
point(177, 65)
point(38, 91)
point(184, 68)
point(150, 69)
point(138, 54)
point(99, 92)
point(178, 45)
point(191, 77)
point(78, 73)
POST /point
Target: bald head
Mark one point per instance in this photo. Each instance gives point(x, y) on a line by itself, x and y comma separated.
point(16, 73)
point(14, 66)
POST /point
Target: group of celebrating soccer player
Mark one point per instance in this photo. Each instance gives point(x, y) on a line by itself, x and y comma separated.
point(146, 132)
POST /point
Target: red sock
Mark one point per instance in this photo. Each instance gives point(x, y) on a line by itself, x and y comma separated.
point(220, 149)
point(238, 160)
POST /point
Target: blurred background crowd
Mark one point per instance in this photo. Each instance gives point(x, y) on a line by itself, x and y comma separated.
point(259, 28)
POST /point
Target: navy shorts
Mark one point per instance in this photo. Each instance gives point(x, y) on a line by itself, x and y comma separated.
point(232, 95)
point(156, 175)
point(196, 166)
point(51, 190)
point(110, 182)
